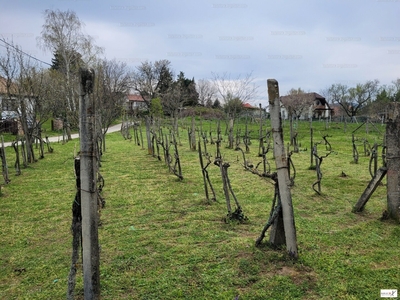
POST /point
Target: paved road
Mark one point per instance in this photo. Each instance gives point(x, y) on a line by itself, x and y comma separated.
point(55, 139)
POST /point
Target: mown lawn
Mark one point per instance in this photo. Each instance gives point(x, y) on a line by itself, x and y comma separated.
point(160, 238)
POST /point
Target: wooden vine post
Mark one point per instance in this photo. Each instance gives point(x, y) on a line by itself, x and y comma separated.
point(287, 218)
point(88, 168)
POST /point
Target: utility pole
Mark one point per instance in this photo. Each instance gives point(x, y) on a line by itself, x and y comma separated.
point(88, 168)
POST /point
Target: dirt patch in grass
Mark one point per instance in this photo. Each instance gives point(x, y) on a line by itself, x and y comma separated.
point(299, 275)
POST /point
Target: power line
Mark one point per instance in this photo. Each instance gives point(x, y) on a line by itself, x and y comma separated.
point(19, 50)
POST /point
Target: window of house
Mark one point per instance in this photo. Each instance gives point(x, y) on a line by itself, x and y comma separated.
point(9, 105)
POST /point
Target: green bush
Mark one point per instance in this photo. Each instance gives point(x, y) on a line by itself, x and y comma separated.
point(203, 112)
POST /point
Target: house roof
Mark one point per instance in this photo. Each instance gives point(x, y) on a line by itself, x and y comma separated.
point(307, 97)
point(249, 106)
point(3, 87)
point(135, 97)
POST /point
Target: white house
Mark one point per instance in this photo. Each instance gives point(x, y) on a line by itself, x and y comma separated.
point(305, 106)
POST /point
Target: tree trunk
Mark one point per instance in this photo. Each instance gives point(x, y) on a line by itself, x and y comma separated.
point(28, 136)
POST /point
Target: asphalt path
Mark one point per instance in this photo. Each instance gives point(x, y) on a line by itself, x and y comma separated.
point(56, 139)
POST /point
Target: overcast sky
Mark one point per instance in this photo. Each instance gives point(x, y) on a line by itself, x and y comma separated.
point(306, 43)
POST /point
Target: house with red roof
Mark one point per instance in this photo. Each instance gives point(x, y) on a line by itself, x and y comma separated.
point(252, 111)
point(135, 103)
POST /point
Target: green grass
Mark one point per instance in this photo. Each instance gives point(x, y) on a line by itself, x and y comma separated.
point(160, 239)
point(46, 131)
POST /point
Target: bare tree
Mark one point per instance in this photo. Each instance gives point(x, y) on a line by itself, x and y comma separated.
point(353, 99)
point(111, 88)
point(173, 99)
point(207, 92)
point(62, 35)
point(361, 95)
point(14, 69)
point(27, 93)
point(297, 103)
point(151, 80)
point(242, 88)
point(396, 88)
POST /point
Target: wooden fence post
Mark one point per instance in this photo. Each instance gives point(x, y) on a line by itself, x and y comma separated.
point(282, 172)
point(88, 161)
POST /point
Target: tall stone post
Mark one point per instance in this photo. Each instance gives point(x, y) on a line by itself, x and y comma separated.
point(282, 172)
point(393, 162)
point(88, 168)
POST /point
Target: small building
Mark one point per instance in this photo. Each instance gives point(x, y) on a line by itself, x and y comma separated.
point(10, 99)
point(9, 108)
point(135, 103)
point(253, 111)
point(305, 106)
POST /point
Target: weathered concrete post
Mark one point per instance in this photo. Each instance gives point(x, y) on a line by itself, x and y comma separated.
point(193, 135)
point(88, 158)
point(150, 148)
point(4, 162)
point(393, 162)
point(281, 166)
point(372, 186)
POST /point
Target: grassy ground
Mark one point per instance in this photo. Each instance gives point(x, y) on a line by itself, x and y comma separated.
point(46, 131)
point(160, 239)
